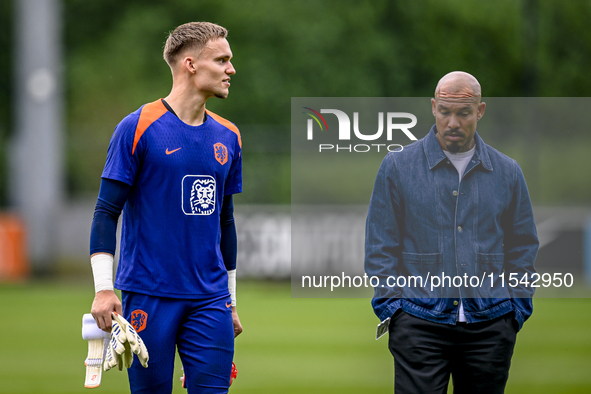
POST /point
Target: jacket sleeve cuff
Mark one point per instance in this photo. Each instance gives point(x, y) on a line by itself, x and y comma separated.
point(518, 316)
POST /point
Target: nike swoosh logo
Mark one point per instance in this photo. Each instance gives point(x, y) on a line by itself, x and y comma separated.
point(168, 152)
point(228, 305)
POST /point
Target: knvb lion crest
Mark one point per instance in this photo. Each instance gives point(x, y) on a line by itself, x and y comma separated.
point(221, 153)
point(139, 319)
point(198, 194)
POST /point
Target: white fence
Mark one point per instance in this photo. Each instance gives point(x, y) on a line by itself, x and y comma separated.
point(325, 239)
point(264, 238)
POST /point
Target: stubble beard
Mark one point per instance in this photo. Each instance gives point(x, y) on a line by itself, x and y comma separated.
point(453, 148)
point(457, 148)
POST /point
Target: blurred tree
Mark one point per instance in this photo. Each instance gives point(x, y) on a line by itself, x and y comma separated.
point(564, 48)
point(285, 49)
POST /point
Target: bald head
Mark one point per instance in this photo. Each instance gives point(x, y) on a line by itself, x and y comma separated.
point(458, 86)
point(457, 109)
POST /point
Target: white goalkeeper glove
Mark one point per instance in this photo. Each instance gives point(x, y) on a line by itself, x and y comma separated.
point(112, 357)
point(124, 341)
point(97, 343)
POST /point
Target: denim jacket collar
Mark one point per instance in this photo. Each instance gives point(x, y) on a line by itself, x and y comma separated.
point(435, 154)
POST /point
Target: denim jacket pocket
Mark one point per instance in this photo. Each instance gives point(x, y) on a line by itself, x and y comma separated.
point(490, 266)
point(418, 268)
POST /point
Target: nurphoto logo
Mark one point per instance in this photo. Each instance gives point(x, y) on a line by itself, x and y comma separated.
point(394, 122)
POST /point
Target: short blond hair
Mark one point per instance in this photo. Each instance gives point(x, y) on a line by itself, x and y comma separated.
point(192, 35)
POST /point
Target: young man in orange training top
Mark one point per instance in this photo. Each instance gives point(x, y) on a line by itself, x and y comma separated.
point(172, 167)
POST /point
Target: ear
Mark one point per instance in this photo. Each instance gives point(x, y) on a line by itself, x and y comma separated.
point(188, 63)
point(481, 108)
point(433, 106)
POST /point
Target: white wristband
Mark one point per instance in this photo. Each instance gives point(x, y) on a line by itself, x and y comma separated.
point(232, 285)
point(102, 270)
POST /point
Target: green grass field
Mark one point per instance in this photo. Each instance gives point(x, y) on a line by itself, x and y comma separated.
point(288, 345)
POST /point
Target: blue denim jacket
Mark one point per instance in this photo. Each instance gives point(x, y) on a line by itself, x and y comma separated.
point(423, 223)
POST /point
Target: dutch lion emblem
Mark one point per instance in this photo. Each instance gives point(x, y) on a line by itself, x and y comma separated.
point(221, 153)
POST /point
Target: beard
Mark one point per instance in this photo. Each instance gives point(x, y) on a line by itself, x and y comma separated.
point(454, 147)
point(457, 146)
